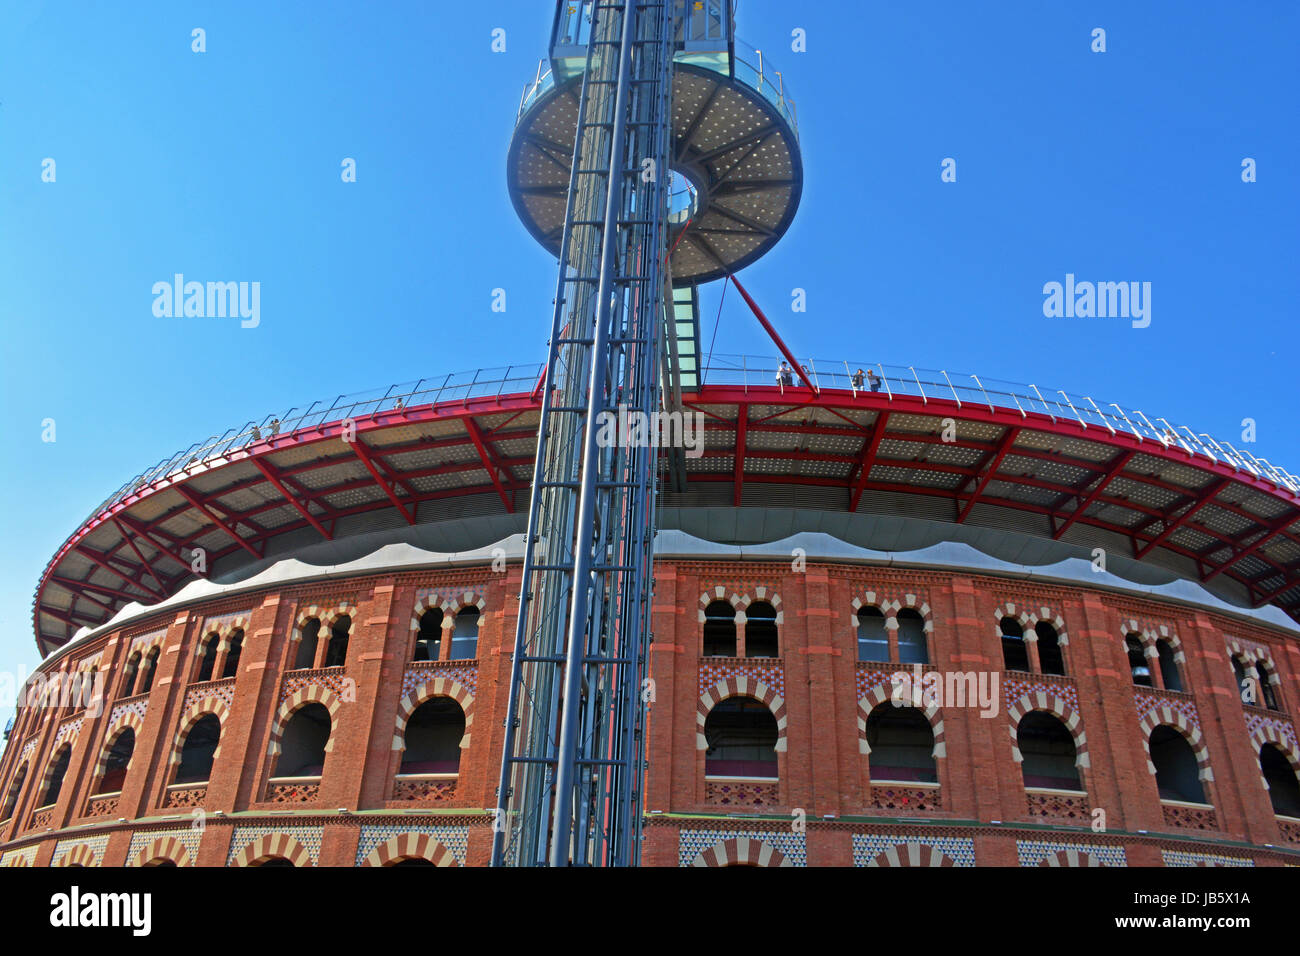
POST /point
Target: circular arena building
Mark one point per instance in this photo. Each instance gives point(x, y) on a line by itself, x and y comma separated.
point(1094, 620)
point(899, 617)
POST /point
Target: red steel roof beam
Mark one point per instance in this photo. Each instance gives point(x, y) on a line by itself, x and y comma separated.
point(868, 459)
point(1004, 446)
point(738, 474)
point(275, 481)
point(99, 560)
point(1120, 462)
point(198, 503)
point(362, 452)
point(1186, 516)
point(490, 466)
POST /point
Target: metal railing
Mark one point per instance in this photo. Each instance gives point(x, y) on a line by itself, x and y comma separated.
point(751, 67)
point(894, 381)
point(969, 389)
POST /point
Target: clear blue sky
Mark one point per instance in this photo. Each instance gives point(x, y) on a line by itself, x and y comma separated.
point(225, 166)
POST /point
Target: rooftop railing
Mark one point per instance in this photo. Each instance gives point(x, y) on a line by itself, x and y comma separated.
point(964, 389)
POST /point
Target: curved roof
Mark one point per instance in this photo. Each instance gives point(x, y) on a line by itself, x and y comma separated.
point(985, 455)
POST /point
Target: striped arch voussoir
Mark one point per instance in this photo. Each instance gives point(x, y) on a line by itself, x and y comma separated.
point(326, 615)
point(1265, 734)
point(890, 608)
point(1057, 707)
point(912, 854)
point(1165, 716)
point(438, 687)
point(1029, 617)
point(740, 687)
point(410, 846)
point(79, 855)
point(882, 693)
point(225, 629)
point(163, 848)
point(273, 845)
point(743, 850)
point(451, 604)
point(198, 710)
point(1070, 857)
point(311, 694)
point(1150, 633)
point(742, 601)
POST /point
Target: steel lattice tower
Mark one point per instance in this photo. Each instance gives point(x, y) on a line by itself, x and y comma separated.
point(571, 773)
point(635, 92)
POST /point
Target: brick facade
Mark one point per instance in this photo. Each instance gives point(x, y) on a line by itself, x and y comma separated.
point(823, 808)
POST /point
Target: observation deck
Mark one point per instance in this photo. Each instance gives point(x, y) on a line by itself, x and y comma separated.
point(735, 143)
point(943, 447)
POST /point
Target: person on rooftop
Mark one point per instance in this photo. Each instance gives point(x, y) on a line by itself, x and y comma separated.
point(275, 426)
point(859, 380)
point(785, 375)
point(873, 380)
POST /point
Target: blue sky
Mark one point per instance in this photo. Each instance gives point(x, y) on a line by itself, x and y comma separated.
point(225, 165)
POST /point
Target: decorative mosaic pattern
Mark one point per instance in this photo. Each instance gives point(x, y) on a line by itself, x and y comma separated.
point(431, 791)
point(1059, 806)
point(222, 690)
point(293, 792)
point(453, 838)
point(1190, 818)
point(1259, 725)
point(92, 855)
point(27, 749)
point(1014, 688)
point(146, 641)
point(185, 796)
point(24, 856)
point(740, 794)
point(868, 846)
point(868, 675)
point(245, 837)
point(102, 806)
point(1187, 858)
point(226, 623)
point(1145, 701)
point(331, 677)
point(904, 799)
point(691, 843)
point(1035, 852)
point(714, 669)
point(69, 728)
point(419, 674)
point(135, 707)
point(185, 836)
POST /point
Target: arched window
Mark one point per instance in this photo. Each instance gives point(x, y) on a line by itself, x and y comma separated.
point(410, 861)
point(760, 631)
point(336, 652)
point(911, 638)
point(161, 861)
point(1015, 656)
point(432, 739)
point(1177, 775)
point(1283, 786)
point(302, 745)
point(231, 666)
point(129, 675)
point(1047, 752)
point(1137, 661)
point(272, 861)
point(1050, 658)
point(1266, 694)
point(464, 637)
point(428, 642)
point(150, 668)
point(741, 734)
point(902, 744)
point(873, 639)
point(120, 749)
point(1173, 680)
point(199, 748)
point(58, 769)
point(207, 658)
point(719, 630)
point(1245, 690)
point(306, 657)
point(15, 788)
